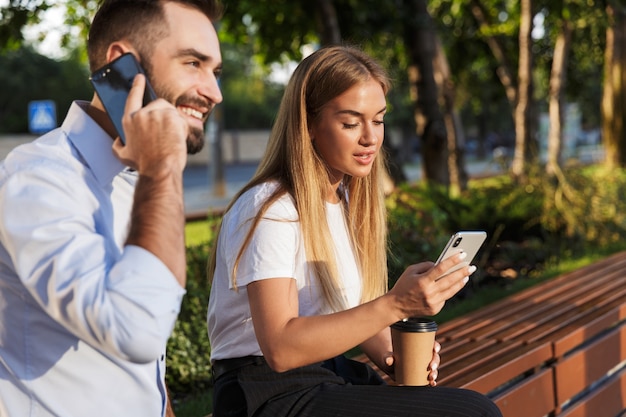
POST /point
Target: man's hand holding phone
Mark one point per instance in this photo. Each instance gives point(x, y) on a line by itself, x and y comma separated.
point(155, 134)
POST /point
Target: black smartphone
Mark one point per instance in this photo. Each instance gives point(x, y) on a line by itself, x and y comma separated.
point(463, 241)
point(112, 83)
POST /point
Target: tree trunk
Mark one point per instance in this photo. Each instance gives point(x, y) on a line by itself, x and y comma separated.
point(327, 23)
point(523, 142)
point(454, 127)
point(614, 95)
point(558, 79)
point(420, 40)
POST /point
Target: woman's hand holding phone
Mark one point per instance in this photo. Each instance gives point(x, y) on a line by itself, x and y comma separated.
point(422, 291)
point(423, 288)
point(464, 241)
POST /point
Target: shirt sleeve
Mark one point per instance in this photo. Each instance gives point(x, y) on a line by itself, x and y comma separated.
point(57, 236)
point(271, 252)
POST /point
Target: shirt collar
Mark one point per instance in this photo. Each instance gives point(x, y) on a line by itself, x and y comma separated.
point(92, 142)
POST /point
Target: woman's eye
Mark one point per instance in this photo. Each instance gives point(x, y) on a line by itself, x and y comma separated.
point(350, 125)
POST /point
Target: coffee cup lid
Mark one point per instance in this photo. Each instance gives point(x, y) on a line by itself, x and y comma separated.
point(415, 325)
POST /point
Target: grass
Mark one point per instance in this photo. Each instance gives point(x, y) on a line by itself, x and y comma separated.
point(198, 232)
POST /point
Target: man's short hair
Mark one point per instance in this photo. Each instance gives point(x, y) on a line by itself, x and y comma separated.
point(140, 22)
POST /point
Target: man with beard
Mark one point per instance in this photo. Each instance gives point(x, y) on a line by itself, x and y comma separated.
point(92, 251)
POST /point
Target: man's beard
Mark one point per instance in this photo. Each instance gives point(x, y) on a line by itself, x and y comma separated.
point(195, 138)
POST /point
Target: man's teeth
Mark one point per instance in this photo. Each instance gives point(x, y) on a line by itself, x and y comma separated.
point(191, 112)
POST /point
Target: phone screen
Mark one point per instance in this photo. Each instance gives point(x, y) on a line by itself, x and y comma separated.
point(112, 84)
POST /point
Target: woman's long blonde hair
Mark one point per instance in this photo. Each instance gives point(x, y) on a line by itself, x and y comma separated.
point(291, 160)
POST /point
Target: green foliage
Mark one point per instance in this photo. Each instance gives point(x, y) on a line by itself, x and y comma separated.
point(277, 29)
point(15, 15)
point(196, 405)
point(250, 98)
point(587, 205)
point(198, 233)
point(527, 224)
point(422, 217)
point(189, 350)
point(26, 76)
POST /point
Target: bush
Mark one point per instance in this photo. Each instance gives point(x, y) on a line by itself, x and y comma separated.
point(189, 350)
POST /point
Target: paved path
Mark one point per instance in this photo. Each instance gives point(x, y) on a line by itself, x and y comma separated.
point(241, 153)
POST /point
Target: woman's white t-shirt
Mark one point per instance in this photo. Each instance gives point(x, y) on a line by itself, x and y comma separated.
point(275, 251)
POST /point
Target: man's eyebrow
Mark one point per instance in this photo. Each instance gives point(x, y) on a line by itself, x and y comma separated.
point(192, 52)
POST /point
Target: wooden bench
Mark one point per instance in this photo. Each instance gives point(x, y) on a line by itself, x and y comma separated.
point(556, 349)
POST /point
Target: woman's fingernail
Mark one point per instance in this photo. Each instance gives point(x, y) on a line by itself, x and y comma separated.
point(472, 269)
point(465, 280)
point(462, 255)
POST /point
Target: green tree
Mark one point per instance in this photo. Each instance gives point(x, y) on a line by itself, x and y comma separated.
point(480, 41)
point(573, 52)
point(558, 79)
point(250, 98)
point(20, 13)
point(26, 76)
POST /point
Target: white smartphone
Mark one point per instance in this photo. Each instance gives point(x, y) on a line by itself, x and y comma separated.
point(469, 242)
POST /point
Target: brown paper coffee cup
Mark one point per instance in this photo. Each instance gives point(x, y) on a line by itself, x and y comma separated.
point(413, 341)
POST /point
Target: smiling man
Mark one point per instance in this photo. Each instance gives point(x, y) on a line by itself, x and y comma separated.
point(92, 254)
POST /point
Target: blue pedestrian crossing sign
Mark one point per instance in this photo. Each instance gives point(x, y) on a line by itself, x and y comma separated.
point(42, 116)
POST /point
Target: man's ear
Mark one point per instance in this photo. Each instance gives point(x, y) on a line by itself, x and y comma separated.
point(117, 49)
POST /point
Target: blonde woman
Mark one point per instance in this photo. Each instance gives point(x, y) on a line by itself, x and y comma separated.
point(299, 272)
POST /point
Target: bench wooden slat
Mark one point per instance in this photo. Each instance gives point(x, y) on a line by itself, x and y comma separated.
point(609, 400)
point(486, 375)
point(568, 333)
point(543, 308)
point(476, 358)
point(467, 323)
point(533, 398)
point(564, 310)
point(576, 333)
point(466, 349)
point(589, 364)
